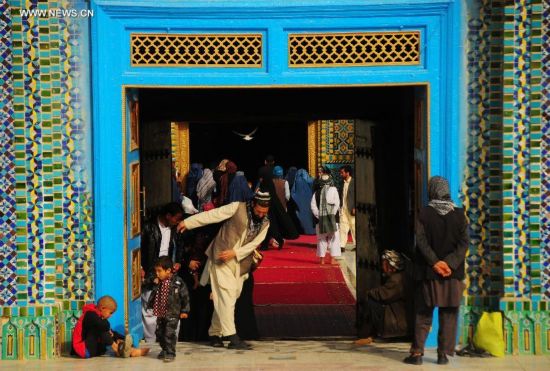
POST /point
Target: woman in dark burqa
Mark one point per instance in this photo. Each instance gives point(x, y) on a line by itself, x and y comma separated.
point(225, 180)
point(239, 190)
point(441, 244)
point(195, 243)
point(217, 174)
point(291, 205)
point(195, 173)
point(280, 224)
point(301, 193)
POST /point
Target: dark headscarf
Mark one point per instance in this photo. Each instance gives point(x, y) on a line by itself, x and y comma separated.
point(440, 195)
point(225, 180)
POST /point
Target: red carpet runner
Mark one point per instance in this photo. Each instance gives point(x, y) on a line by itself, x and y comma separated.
point(293, 275)
point(297, 298)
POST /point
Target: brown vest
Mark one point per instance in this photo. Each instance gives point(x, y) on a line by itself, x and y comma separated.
point(280, 190)
point(231, 232)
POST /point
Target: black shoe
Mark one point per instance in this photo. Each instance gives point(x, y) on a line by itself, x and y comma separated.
point(161, 355)
point(216, 341)
point(413, 360)
point(442, 359)
point(236, 343)
point(169, 358)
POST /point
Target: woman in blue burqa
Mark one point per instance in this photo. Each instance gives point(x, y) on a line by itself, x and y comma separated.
point(301, 193)
point(239, 190)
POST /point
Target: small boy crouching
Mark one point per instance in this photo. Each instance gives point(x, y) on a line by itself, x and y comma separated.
point(92, 333)
point(170, 301)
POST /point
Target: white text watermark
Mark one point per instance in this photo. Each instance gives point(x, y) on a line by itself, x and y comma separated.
point(57, 13)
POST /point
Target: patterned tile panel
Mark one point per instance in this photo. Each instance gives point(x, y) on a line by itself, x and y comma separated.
point(8, 251)
point(496, 144)
point(545, 154)
point(476, 187)
point(51, 148)
point(77, 233)
point(521, 121)
point(336, 142)
point(534, 112)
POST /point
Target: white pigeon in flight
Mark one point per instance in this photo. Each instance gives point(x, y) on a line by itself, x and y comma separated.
point(246, 136)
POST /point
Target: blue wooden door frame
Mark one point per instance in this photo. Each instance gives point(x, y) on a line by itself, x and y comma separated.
point(441, 69)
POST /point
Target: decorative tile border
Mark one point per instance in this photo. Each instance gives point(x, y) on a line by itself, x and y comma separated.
point(477, 187)
point(8, 250)
point(51, 145)
point(545, 154)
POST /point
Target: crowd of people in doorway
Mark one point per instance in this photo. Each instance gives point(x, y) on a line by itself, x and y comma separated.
point(198, 262)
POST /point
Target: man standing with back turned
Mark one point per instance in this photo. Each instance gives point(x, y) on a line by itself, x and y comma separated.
point(230, 256)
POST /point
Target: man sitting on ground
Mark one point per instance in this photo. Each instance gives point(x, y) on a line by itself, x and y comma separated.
point(385, 306)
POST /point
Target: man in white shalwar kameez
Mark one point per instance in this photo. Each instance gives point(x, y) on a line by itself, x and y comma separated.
point(324, 206)
point(230, 256)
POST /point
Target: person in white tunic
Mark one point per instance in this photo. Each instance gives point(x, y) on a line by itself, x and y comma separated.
point(230, 256)
point(324, 206)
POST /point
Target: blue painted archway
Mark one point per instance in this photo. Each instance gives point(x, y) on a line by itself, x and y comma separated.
point(439, 23)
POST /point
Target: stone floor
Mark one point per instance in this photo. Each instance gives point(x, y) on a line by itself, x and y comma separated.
point(284, 355)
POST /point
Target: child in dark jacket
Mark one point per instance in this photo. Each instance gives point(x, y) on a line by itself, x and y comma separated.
point(170, 302)
point(92, 333)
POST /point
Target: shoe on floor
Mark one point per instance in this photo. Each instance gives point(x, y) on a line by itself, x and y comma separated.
point(363, 341)
point(128, 342)
point(169, 358)
point(413, 360)
point(216, 341)
point(442, 359)
point(161, 355)
point(236, 343)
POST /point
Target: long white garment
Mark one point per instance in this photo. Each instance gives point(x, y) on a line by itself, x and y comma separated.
point(225, 278)
point(347, 221)
point(328, 241)
point(149, 320)
point(165, 239)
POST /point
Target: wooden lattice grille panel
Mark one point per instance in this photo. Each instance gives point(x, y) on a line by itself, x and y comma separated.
point(229, 50)
point(354, 49)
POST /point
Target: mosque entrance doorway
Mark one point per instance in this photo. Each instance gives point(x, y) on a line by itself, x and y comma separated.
point(379, 131)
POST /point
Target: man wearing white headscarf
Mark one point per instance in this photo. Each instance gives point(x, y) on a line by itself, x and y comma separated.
point(325, 204)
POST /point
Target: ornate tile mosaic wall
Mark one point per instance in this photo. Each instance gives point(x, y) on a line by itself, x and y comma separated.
point(521, 122)
point(508, 147)
point(8, 250)
point(545, 152)
point(336, 145)
point(479, 181)
point(503, 172)
point(46, 253)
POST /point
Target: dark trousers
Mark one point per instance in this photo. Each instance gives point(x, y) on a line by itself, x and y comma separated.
point(97, 341)
point(373, 318)
point(166, 334)
point(448, 322)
